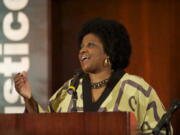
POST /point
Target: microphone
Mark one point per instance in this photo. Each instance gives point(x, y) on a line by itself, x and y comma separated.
point(166, 117)
point(72, 88)
point(75, 81)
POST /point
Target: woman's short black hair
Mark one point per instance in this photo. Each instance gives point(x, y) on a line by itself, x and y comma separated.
point(114, 37)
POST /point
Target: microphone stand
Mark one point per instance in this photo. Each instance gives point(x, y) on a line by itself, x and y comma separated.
point(166, 119)
point(74, 100)
point(165, 126)
point(168, 129)
point(72, 89)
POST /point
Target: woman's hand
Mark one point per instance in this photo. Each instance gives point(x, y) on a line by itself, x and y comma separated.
point(22, 85)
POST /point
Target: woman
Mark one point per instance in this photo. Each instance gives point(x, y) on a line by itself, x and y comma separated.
point(104, 51)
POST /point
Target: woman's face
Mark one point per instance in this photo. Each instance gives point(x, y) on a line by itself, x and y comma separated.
point(91, 54)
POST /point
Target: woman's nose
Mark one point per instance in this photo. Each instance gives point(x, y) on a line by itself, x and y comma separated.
point(83, 50)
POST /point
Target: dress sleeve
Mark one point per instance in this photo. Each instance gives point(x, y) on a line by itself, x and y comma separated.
point(153, 111)
point(54, 101)
point(58, 97)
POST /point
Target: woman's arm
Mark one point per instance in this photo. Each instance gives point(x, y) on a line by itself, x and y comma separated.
point(23, 87)
point(31, 106)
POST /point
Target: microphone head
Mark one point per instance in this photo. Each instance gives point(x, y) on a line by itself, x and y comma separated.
point(176, 102)
point(75, 81)
point(175, 105)
point(78, 73)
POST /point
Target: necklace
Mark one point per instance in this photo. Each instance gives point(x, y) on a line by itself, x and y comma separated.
point(99, 84)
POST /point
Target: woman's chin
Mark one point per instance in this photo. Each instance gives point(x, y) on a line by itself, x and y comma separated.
point(86, 69)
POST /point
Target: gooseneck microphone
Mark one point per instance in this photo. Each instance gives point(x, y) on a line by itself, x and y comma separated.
point(164, 122)
point(72, 88)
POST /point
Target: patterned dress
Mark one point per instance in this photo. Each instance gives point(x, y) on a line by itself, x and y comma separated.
point(124, 92)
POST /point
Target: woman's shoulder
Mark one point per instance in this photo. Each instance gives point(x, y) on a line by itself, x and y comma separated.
point(128, 76)
point(134, 80)
point(136, 84)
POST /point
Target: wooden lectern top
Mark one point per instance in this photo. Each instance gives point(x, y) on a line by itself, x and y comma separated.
point(90, 123)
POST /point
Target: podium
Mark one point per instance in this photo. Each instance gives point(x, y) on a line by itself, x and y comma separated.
point(90, 123)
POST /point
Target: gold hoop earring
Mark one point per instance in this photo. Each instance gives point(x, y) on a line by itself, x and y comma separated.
point(107, 62)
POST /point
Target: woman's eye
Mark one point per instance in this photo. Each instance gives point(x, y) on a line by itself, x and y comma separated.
point(90, 44)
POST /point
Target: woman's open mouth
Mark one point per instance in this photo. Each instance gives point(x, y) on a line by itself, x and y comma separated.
point(84, 58)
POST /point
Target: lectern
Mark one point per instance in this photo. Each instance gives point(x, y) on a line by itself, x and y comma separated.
point(91, 123)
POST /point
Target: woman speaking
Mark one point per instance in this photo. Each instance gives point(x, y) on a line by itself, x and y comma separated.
point(102, 85)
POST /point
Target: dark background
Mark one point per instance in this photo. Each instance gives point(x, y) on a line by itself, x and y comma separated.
point(154, 28)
